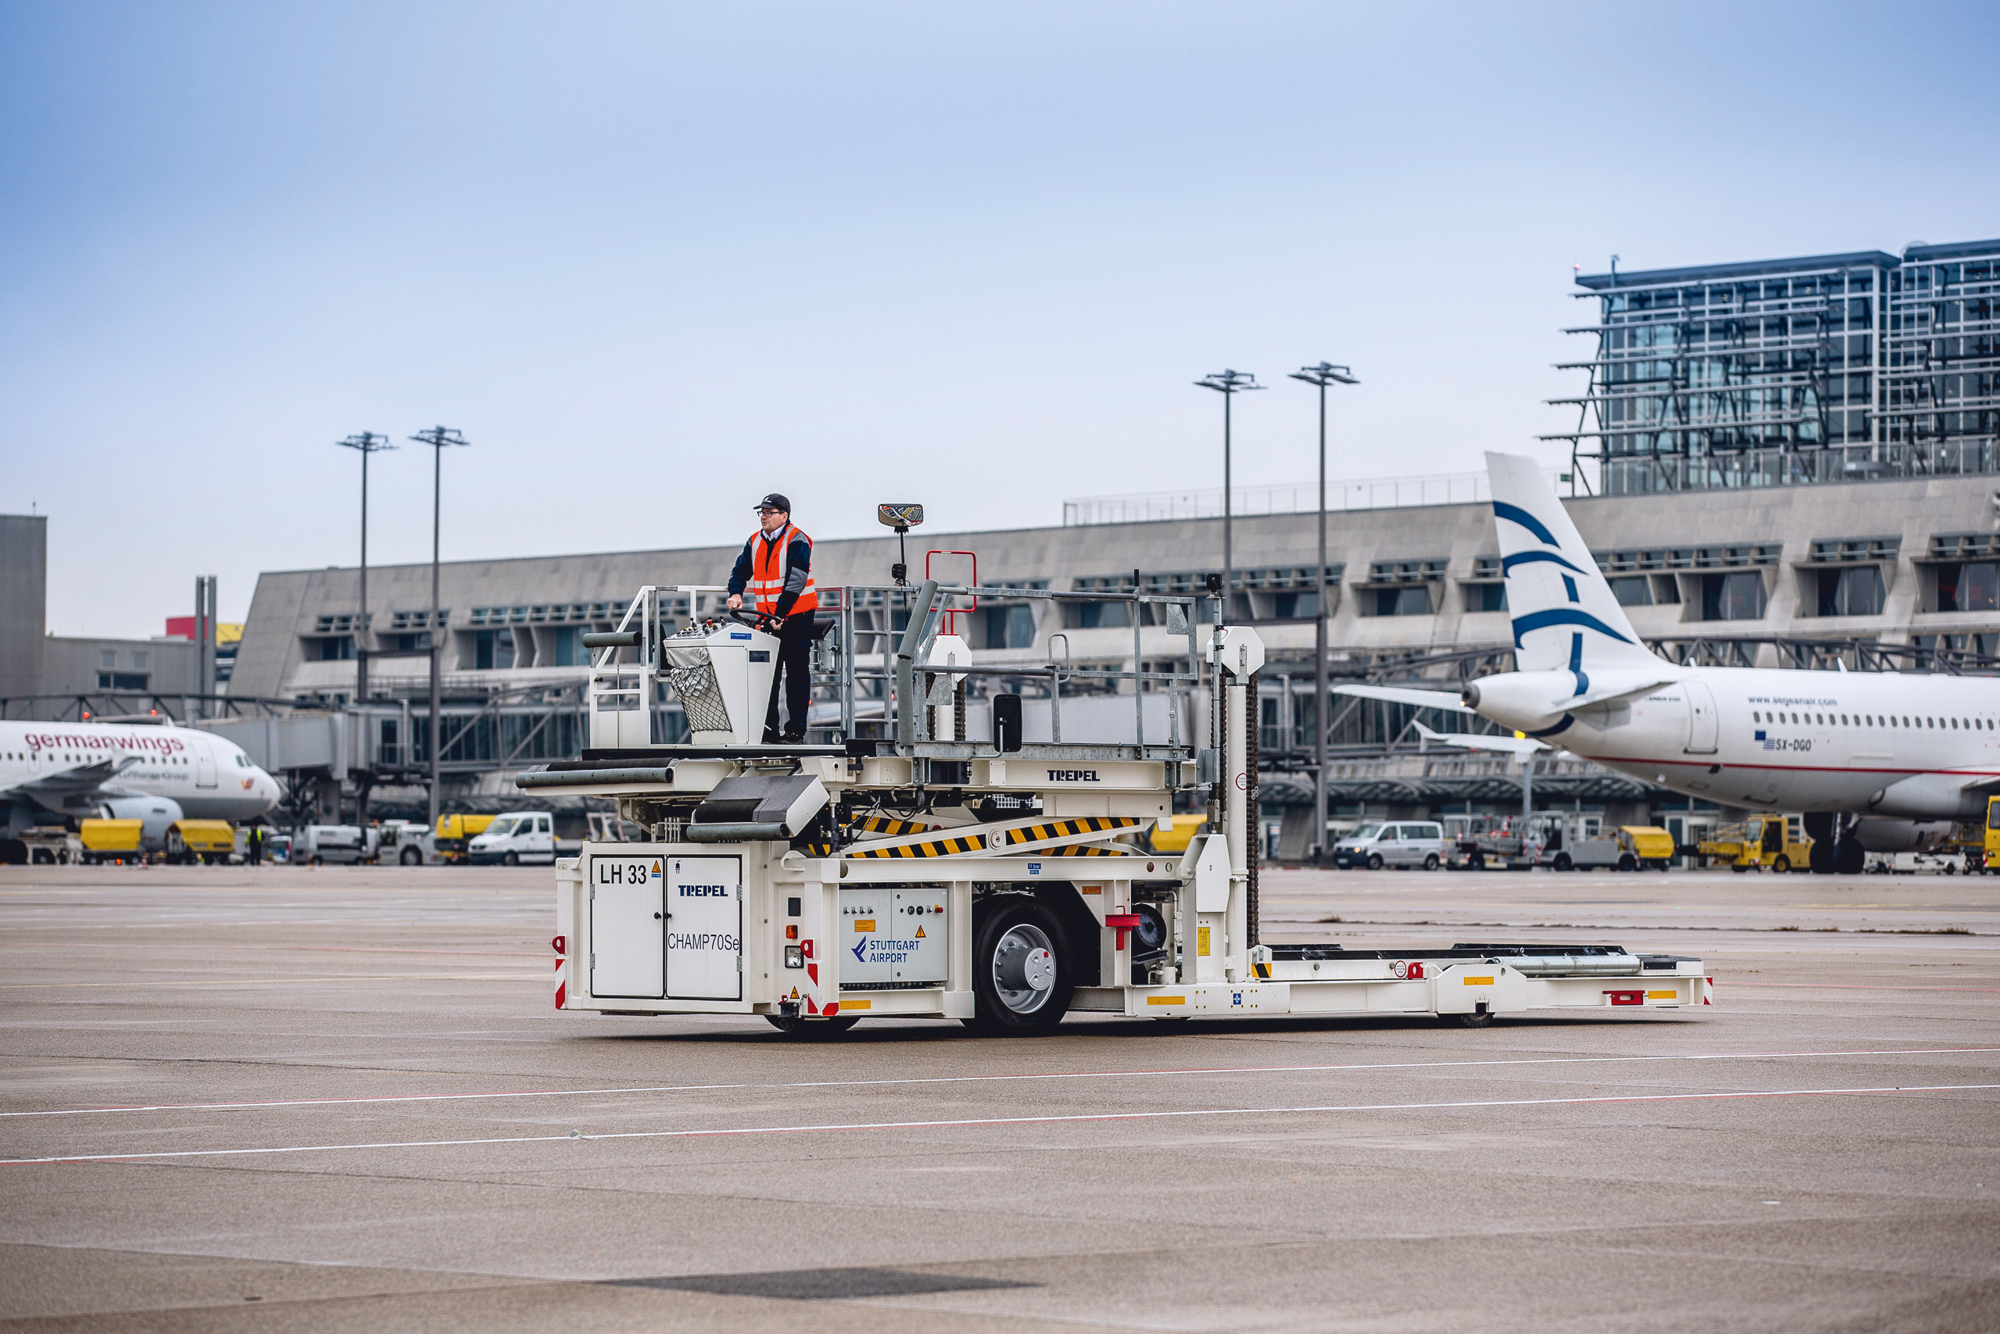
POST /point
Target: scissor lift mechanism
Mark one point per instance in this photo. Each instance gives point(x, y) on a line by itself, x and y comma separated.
point(925, 873)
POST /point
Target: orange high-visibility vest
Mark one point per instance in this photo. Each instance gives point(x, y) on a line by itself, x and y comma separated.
point(767, 571)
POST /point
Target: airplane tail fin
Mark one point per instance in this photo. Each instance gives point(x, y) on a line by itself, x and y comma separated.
point(1565, 616)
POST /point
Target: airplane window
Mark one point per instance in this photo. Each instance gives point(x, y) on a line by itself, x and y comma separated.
point(1755, 717)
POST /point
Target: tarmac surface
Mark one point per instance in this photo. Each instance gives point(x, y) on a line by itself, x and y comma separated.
point(334, 1100)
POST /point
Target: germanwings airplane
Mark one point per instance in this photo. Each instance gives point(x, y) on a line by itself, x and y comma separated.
point(53, 771)
point(1868, 756)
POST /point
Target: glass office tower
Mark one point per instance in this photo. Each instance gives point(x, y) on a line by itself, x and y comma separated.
point(1823, 368)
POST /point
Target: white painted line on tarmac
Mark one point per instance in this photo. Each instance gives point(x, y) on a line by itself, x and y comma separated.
point(976, 1122)
point(523, 976)
point(1170, 1073)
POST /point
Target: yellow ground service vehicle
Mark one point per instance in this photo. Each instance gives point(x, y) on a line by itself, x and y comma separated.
point(455, 831)
point(200, 841)
point(1648, 846)
point(1773, 840)
point(111, 840)
point(1989, 852)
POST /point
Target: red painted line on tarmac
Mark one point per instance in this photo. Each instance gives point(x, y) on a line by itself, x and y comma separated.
point(976, 1122)
point(1163, 1073)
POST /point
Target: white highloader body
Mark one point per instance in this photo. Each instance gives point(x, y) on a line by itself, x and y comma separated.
point(998, 882)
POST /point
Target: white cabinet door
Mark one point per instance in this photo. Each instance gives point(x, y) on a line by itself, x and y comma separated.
point(705, 928)
point(628, 927)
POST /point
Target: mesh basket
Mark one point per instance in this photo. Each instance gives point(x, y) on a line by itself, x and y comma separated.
point(700, 699)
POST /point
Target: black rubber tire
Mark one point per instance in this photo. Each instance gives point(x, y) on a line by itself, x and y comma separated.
point(1821, 856)
point(1627, 862)
point(812, 1029)
point(1477, 861)
point(1374, 861)
point(318, 860)
point(1431, 862)
point(1470, 1020)
point(1002, 917)
point(1849, 857)
point(410, 857)
point(511, 859)
point(1563, 863)
point(1781, 864)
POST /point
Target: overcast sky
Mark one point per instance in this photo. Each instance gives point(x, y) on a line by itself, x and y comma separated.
point(655, 260)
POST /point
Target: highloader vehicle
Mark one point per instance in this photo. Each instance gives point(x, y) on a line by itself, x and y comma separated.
point(948, 868)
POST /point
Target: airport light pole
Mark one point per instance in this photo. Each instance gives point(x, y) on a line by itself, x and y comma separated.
point(1321, 375)
point(438, 438)
point(366, 443)
point(1229, 384)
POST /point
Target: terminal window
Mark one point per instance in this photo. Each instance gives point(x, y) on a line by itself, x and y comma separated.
point(1856, 591)
point(1968, 586)
point(492, 650)
point(1634, 590)
point(1010, 627)
point(1738, 596)
point(121, 680)
point(1486, 597)
point(1410, 600)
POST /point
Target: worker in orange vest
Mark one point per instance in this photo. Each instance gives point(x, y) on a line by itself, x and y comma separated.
point(776, 569)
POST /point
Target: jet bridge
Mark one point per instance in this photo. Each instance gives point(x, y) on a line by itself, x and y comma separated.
point(929, 873)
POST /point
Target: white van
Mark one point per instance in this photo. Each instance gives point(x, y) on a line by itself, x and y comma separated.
point(1398, 843)
point(339, 844)
point(515, 839)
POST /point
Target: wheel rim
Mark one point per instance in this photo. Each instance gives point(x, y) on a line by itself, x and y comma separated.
point(1024, 969)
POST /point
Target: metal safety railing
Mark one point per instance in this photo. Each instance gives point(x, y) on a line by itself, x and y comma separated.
point(887, 670)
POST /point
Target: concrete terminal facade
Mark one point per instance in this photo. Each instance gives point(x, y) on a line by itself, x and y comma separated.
point(1897, 573)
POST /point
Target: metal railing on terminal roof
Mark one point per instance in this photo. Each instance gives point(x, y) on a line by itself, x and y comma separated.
point(1458, 488)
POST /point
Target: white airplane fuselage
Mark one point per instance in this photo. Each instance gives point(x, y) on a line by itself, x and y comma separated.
point(208, 777)
point(1871, 743)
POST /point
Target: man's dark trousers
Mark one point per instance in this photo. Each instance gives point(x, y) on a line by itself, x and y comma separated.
point(795, 674)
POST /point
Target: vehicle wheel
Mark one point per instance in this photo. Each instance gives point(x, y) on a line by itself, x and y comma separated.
point(1627, 862)
point(13, 852)
point(812, 1028)
point(1951, 868)
point(1020, 968)
point(1782, 864)
point(1563, 863)
point(1374, 861)
point(1431, 862)
point(511, 859)
point(62, 857)
point(1739, 868)
point(1477, 861)
point(1474, 1020)
point(318, 860)
point(1821, 857)
point(1663, 866)
point(411, 857)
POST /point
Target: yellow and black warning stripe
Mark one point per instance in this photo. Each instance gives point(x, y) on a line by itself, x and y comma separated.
point(1081, 824)
point(936, 847)
point(1086, 850)
point(882, 824)
point(974, 841)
